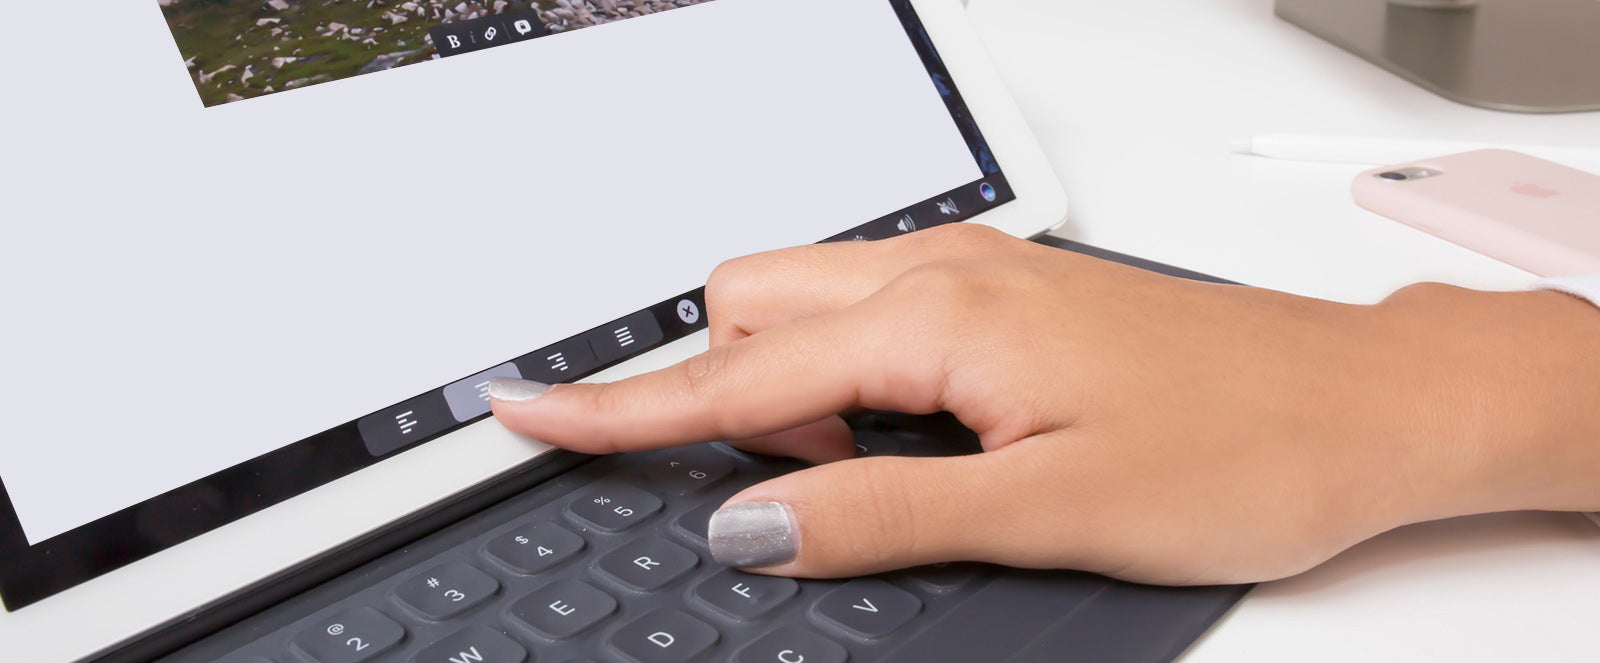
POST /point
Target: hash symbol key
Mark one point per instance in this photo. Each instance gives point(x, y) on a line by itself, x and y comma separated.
point(446, 590)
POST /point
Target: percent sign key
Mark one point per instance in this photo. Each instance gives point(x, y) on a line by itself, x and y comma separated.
point(616, 508)
point(623, 511)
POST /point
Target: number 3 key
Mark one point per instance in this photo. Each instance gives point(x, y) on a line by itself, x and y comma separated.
point(445, 591)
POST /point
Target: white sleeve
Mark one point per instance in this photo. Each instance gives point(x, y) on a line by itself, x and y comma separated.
point(1587, 287)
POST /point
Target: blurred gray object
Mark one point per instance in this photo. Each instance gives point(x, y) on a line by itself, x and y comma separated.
point(1527, 56)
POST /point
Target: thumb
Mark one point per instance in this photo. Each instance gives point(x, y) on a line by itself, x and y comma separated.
point(858, 517)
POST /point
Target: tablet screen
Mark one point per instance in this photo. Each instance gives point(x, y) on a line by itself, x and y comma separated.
point(256, 246)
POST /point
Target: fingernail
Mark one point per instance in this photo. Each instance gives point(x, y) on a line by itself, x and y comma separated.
point(753, 535)
point(508, 389)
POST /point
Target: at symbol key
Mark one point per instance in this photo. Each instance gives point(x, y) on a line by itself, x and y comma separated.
point(351, 636)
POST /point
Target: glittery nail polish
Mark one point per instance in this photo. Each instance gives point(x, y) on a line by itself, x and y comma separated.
point(753, 534)
point(508, 389)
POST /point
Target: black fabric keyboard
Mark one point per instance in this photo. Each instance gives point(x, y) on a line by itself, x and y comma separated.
point(609, 562)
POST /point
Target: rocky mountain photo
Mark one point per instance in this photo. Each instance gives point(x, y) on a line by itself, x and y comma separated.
point(238, 49)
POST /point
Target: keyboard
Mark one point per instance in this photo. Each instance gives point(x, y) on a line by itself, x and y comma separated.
point(609, 562)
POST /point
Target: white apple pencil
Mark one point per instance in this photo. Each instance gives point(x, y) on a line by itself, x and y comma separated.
point(1381, 151)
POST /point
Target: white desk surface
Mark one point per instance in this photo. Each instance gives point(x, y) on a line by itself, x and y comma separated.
point(1135, 103)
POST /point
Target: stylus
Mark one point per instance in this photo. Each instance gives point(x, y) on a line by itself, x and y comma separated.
point(1380, 151)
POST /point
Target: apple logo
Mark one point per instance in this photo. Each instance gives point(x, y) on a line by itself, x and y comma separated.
point(1532, 190)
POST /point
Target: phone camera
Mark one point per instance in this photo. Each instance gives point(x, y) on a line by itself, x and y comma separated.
point(1408, 174)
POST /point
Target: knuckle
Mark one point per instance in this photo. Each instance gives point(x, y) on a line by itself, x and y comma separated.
point(1425, 291)
point(1426, 297)
point(702, 374)
point(885, 529)
point(942, 275)
point(964, 235)
point(743, 286)
point(606, 400)
point(723, 283)
point(946, 287)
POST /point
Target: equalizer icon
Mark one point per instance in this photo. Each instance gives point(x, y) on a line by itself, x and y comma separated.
point(405, 421)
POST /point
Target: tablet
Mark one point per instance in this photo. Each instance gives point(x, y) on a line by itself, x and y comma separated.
point(261, 256)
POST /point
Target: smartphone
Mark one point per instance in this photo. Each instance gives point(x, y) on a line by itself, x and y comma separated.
point(1534, 214)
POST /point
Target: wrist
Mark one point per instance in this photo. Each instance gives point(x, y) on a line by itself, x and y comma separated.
point(1505, 409)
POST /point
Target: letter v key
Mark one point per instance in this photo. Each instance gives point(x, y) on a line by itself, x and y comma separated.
point(865, 608)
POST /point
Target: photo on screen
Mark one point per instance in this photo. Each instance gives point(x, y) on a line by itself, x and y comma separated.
point(241, 49)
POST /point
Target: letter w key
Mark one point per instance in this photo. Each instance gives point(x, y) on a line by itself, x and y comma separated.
point(474, 644)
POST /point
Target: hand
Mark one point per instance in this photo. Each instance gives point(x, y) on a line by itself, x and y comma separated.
point(1136, 425)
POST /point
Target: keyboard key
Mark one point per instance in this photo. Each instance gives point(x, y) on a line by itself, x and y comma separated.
point(648, 564)
point(697, 520)
point(351, 636)
point(744, 596)
point(475, 644)
point(664, 636)
point(446, 590)
point(563, 609)
point(534, 548)
point(948, 577)
point(868, 608)
point(690, 470)
point(792, 645)
point(614, 507)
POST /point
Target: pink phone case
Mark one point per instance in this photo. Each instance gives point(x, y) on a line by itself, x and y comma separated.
point(1540, 216)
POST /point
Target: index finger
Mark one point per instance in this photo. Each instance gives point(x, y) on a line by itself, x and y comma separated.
point(770, 382)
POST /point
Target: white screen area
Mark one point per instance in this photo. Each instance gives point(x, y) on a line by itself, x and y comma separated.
point(185, 289)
